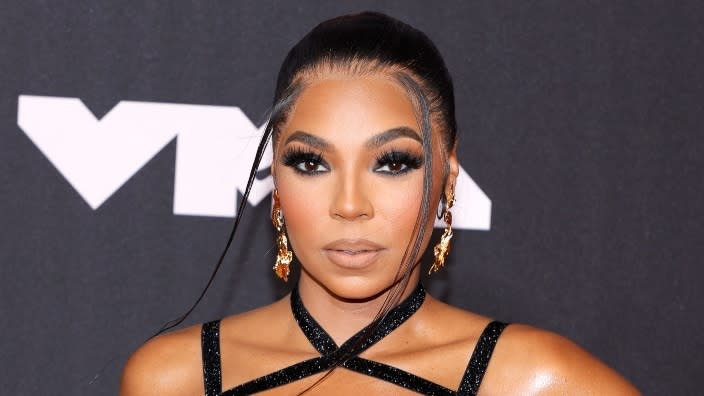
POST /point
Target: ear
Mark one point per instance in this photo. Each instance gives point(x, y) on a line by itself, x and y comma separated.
point(274, 165)
point(453, 170)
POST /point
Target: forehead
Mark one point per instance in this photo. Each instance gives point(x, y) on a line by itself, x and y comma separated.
point(357, 106)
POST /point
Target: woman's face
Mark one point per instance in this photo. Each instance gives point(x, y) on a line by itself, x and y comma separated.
point(349, 173)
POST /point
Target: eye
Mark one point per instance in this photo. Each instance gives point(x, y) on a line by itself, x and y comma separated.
point(310, 166)
point(392, 167)
point(397, 162)
point(305, 162)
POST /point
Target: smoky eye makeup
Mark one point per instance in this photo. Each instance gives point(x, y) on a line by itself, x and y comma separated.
point(397, 162)
point(304, 161)
point(389, 162)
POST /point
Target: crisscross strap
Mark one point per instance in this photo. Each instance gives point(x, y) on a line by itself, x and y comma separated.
point(330, 352)
point(210, 349)
point(479, 361)
point(330, 355)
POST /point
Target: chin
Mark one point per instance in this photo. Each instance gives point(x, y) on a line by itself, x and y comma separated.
point(357, 288)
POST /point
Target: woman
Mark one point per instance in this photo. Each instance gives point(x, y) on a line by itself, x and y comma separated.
point(364, 136)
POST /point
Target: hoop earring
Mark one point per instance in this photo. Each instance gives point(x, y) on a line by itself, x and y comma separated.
point(441, 250)
point(284, 256)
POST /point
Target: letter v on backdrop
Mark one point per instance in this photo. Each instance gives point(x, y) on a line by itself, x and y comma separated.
point(214, 151)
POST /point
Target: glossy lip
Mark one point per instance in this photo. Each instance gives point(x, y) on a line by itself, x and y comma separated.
point(352, 253)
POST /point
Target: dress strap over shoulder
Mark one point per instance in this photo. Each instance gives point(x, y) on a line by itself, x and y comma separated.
point(479, 361)
point(210, 349)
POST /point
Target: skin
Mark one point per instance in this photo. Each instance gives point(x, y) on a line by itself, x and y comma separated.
point(349, 196)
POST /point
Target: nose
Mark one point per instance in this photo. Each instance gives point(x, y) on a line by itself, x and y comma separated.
point(351, 199)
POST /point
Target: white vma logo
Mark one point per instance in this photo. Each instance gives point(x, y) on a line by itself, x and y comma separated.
point(214, 152)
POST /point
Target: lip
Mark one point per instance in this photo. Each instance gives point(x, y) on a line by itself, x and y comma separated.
point(352, 253)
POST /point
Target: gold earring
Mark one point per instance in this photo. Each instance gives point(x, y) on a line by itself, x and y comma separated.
point(284, 256)
point(443, 247)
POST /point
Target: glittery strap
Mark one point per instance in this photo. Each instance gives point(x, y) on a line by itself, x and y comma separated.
point(480, 358)
point(330, 354)
point(397, 376)
point(363, 339)
point(210, 349)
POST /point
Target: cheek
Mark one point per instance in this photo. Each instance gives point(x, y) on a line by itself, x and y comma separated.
point(304, 207)
point(300, 202)
point(398, 203)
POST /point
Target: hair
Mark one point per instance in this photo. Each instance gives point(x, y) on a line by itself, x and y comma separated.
point(372, 42)
point(364, 44)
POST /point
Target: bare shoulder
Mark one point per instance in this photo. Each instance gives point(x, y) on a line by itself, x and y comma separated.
point(166, 365)
point(171, 364)
point(532, 361)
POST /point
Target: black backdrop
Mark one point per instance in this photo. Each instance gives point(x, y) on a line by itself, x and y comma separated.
point(579, 120)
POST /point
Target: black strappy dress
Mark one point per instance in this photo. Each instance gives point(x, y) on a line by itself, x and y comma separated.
point(329, 352)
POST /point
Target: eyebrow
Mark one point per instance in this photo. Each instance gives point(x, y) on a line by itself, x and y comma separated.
point(391, 134)
point(375, 141)
point(308, 139)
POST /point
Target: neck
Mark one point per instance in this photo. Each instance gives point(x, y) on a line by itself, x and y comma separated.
point(343, 317)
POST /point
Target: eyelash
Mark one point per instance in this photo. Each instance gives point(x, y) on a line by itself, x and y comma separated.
point(297, 158)
point(407, 160)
